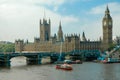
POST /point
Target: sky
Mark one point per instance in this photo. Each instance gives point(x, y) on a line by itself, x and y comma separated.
point(20, 19)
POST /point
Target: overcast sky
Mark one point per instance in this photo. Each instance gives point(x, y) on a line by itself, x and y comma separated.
point(19, 19)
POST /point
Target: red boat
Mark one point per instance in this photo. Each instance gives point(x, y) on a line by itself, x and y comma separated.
point(64, 67)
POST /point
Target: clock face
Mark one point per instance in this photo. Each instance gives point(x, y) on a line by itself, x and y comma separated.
point(104, 23)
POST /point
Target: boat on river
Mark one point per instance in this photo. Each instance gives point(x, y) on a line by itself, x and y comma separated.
point(64, 67)
point(69, 62)
point(73, 62)
point(111, 60)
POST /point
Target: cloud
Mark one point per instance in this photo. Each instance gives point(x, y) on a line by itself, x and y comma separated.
point(36, 2)
point(97, 10)
point(21, 21)
point(86, 0)
point(100, 9)
point(115, 14)
point(49, 2)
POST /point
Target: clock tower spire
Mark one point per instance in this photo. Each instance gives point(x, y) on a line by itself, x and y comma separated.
point(107, 29)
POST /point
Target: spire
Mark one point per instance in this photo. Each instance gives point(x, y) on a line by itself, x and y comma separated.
point(49, 21)
point(55, 36)
point(107, 10)
point(79, 36)
point(60, 33)
point(100, 39)
point(83, 34)
point(44, 18)
point(44, 14)
point(40, 21)
point(60, 28)
point(83, 37)
point(107, 13)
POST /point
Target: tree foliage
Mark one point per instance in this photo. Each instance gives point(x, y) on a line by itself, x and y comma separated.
point(7, 47)
point(111, 47)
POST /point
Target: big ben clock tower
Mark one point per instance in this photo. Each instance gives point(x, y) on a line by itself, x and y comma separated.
point(107, 29)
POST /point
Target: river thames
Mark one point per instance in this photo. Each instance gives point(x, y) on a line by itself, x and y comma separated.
point(86, 71)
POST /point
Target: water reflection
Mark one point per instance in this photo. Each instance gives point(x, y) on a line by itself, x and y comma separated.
point(109, 72)
point(85, 71)
point(18, 61)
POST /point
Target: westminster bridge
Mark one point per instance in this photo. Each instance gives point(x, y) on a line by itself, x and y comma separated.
point(36, 57)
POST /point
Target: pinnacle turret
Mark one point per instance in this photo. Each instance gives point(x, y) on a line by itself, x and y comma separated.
point(107, 10)
point(107, 13)
point(60, 33)
point(60, 27)
point(83, 37)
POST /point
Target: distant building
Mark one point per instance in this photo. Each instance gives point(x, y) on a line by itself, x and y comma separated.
point(70, 42)
point(5, 42)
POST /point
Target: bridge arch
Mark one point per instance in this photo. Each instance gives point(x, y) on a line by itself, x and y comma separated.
point(31, 58)
point(18, 61)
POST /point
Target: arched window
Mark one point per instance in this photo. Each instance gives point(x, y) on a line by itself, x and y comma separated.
point(46, 35)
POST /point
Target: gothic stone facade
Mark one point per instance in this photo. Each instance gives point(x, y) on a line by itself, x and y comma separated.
point(48, 43)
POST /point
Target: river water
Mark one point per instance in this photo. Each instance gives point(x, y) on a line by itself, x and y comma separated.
point(86, 71)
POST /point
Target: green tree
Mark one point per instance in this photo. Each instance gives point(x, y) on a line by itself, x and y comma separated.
point(111, 47)
point(7, 47)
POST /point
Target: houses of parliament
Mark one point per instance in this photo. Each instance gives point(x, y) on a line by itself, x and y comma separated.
point(48, 43)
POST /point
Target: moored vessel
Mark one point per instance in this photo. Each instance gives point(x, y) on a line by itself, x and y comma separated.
point(64, 67)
